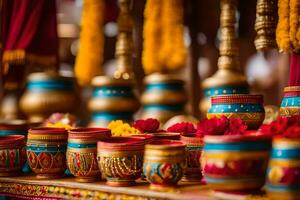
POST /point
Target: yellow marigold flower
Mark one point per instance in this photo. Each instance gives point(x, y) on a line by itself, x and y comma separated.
point(59, 125)
point(119, 128)
point(294, 23)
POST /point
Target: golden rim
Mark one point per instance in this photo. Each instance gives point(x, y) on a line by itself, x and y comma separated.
point(163, 78)
point(102, 81)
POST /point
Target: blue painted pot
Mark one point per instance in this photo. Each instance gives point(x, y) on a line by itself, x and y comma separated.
point(235, 163)
point(46, 94)
point(248, 107)
point(290, 104)
point(164, 97)
point(112, 99)
point(283, 178)
point(46, 152)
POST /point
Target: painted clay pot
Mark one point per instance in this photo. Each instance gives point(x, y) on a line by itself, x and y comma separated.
point(283, 178)
point(46, 152)
point(120, 159)
point(166, 136)
point(290, 104)
point(47, 93)
point(194, 147)
point(164, 163)
point(235, 163)
point(82, 152)
point(248, 107)
point(12, 154)
point(112, 99)
point(164, 97)
point(13, 127)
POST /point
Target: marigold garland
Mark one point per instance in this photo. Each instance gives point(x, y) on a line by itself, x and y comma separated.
point(90, 55)
point(164, 47)
point(294, 23)
point(283, 26)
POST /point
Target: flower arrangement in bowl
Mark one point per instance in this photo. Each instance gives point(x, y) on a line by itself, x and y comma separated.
point(283, 175)
point(121, 159)
point(233, 160)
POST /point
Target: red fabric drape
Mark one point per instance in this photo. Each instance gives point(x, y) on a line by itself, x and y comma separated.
point(29, 32)
point(294, 78)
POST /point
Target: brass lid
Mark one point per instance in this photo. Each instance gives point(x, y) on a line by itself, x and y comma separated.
point(163, 78)
point(102, 81)
point(43, 76)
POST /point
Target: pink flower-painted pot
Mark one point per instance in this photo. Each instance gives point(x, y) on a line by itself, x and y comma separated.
point(194, 147)
point(235, 163)
point(46, 151)
point(166, 136)
point(121, 159)
point(165, 161)
point(82, 152)
point(12, 154)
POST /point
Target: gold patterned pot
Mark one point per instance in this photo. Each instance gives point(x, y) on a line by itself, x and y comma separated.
point(12, 154)
point(248, 107)
point(120, 159)
point(290, 104)
point(112, 99)
point(194, 147)
point(82, 152)
point(47, 93)
point(283, 175)
point(164, 97)
point(164, 163)
point(46, 152)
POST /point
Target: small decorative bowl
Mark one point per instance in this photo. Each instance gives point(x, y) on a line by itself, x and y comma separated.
point(164, 163)
point(166, 136)
point(283, 178)
point(82, 152)
point(245, 106)
point(235, 163)
point(290, 105)
point(12, 154)
point(46, 151)
point(194, 147)
point(121, 159)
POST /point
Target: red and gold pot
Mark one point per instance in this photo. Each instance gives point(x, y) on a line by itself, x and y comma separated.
point(12, 154)
point(46, 151)
point(121, 159)
point(290, 104)
point(82, 152)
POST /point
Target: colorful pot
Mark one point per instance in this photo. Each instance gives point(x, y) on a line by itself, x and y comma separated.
point(164, 163)
point(290, 105)
point(283, 179)
point(166, 136)
point(245, 106)
point(12, 155)
point(121, 159)
point(48, 93)
point(46, 152)
point(235, 163)
point(164, 97)
point(82, 152)
point(112, 99)
point(194, 147)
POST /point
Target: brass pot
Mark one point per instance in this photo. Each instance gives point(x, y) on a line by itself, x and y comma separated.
point(112, 99)
point(47, 93)
point(164, 97)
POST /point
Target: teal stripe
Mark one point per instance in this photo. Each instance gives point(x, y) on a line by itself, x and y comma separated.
point(113, 92)
point(290, 102)
point(225, 90)
point(50, 85)
point(286, 153)
point(13, 132)
point(176, 108)
point(164, 86)
point(242, 146)
point(228, 180)
point(75, 145)
point(229, 108)
point(62, 148)
point(282, 188)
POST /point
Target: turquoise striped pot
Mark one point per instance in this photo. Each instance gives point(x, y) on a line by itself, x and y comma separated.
point(46, 152)
point(112, 99)
point(290, 104)
point(164, 97)
point(283, 179)
point(48, 93)
point(235, 163)
point(82, 152)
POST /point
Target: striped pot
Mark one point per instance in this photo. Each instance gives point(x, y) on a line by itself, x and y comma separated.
point(290, 104)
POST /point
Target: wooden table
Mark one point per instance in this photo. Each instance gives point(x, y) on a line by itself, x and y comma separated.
point(28, 187)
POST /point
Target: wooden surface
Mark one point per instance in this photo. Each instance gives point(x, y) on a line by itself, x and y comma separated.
point(29, 187)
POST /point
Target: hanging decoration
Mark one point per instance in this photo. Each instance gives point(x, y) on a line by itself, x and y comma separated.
point(265, 24)
point(164, 48)
point(90, 55)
